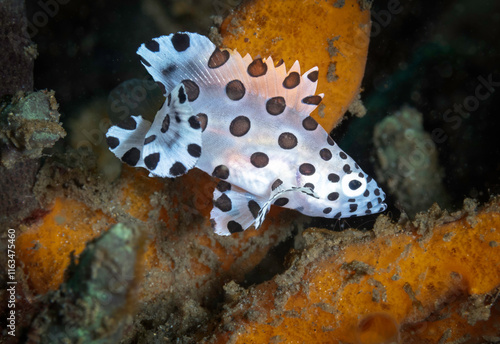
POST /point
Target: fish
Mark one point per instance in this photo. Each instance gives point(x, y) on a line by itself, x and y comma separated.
point(245, 121)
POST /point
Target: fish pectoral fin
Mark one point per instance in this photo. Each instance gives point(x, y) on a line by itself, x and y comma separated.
point(234, 209)
point(281, 193)
point(168, 147)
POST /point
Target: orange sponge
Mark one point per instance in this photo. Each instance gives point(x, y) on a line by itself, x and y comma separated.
point(401, 285)
point(44, 248)
point(332, 35)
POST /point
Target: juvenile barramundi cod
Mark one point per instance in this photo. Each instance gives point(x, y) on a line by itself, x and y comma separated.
point(246, 122)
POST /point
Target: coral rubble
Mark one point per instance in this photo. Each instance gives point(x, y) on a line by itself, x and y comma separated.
point(29, 124)
point(19, 141)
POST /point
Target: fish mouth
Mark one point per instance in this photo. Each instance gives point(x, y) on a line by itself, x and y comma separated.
point(372, 205)
point(376, 204)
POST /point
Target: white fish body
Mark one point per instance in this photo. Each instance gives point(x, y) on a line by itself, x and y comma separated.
point(247, 123)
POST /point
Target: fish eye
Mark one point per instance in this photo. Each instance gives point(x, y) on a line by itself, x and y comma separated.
point(353, 185)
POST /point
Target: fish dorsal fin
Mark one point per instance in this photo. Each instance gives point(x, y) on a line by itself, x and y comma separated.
point(167, 148)
point(194, 60)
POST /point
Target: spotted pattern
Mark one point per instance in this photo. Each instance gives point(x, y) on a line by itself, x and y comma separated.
point(254, 208)
point(333, 196)
point(218, 58)
point(313, 76)
point(325, 154)
point(194, 150)
point(307, 169)
point(180, 41)
point(223, 186)
point(223, 203)
point(153, 46)
point(192, 89)
point(259, 159)
point(282, 201)
point(169, 70)
point(275, 105)
point(165, 124)
point(112, 142)
point(149, 139)
point(146, 63)
point(177, 169)
point(287, 141)
point(182, 95)
point(151, 161)
point(309, 185)
point(257, 68)
point(312, 100)
point(128, 124)
point(309, 123)
point(235, 90)
point(221, 172)
point(333, 177)
point(131, 156)
point(194, 123)
point(239, 126)
point(203, 119)
point(205, 61)
point(292, 80)
point(276, 184)
point(234, 227)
